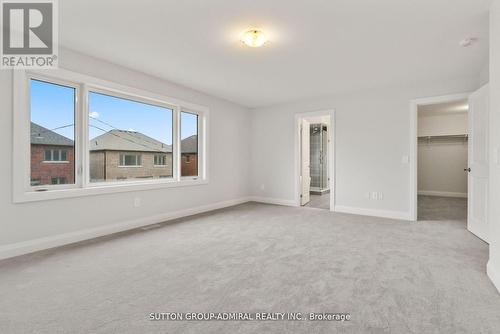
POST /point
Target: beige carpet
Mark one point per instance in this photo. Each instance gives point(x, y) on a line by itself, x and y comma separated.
point(390, 276)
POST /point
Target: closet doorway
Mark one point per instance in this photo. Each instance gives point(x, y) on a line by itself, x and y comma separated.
point(450, 160)
point(315, 160)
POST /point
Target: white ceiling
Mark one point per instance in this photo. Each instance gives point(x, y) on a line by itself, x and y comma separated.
point(446, 108)
point(316, 48)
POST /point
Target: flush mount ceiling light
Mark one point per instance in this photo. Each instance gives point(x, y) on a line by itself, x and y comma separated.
point(254, 38)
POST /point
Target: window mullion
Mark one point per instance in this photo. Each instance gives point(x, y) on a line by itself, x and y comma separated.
point(83, 167)
point(176, 151)
point(201, 149)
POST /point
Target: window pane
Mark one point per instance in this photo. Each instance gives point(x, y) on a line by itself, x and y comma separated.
point(189, 144)
point(132, 160)
point(127, 133)
point(52, 130)
point(160, 160)
point(58, 180)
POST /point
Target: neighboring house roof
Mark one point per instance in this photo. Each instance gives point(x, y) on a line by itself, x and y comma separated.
point(189, 144)
point(43, 136)
point(122, 140)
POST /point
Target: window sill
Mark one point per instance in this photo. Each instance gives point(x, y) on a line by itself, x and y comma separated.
point(101, 189)
point(55, 162)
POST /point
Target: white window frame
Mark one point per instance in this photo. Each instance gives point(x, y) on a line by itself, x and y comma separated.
point(201, 148)
point(22, 189)
point(25, 147)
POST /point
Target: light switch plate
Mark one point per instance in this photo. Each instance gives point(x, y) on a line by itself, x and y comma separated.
point(405, 159)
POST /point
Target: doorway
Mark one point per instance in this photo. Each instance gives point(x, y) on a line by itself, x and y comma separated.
point(315, 160)
point(442, 161)
point(450, 160)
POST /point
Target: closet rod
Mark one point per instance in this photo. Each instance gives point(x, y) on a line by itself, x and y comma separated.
point(464, 136)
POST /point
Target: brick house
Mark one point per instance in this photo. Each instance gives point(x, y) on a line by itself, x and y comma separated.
point(121, 155)
point(189, 156)
point(52, 157)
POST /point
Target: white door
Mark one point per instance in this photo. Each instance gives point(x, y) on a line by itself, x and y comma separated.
point(305, 169)
point(477, 222)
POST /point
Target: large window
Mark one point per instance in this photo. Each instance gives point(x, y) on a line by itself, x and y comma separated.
point(86, 135)
point(189, 144)
point(127, 133)
point(52, 127)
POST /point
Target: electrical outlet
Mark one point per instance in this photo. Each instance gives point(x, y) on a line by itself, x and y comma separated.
point(137, 202)
point(262, 187)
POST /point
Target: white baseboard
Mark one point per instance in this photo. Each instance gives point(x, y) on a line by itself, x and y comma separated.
point(373, 212)
point(442, 193)
point(276, 201)
point(31, 246)
point(494, 275)
point(339, 208)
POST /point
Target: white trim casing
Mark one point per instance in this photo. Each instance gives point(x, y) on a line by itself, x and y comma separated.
point(24, 192)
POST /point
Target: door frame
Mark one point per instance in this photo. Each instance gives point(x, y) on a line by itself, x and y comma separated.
point(331, 152)
point(414, 104)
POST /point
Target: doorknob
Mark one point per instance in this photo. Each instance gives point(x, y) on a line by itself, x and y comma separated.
point(467, 170)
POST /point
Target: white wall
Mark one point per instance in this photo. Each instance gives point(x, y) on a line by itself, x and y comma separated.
point(442, 124)
point(229, 159)
point(494, 207)
point(441, 162)
point(484, 76)
point(371, 137)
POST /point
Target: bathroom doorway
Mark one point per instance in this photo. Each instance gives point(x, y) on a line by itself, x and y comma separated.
point(315, 172)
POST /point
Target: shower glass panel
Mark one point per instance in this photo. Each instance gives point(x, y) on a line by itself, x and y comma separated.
point(319, 158)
